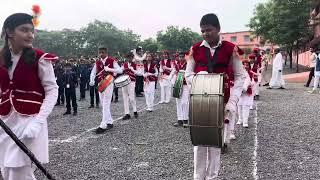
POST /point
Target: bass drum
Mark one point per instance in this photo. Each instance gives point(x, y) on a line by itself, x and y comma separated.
point(207, 110)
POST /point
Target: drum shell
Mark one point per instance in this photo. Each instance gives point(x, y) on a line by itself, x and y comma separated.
point(123, 83)
point(102, 85)
point(178, 86)
point(207, 110)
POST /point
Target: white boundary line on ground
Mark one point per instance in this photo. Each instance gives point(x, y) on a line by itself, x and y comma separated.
point(254, 158)
point(72, 138)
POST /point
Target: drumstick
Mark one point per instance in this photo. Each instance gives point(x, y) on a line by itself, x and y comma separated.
point(101, 71)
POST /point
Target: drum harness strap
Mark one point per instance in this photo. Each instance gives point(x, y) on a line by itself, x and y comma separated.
point(212, 62)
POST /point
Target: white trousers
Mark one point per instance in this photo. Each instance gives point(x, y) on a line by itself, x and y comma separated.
point(105, 99)
point(165, 86)
point(206, 162)
point(229, 127)
point(316, 82)
point(183, 104)
point(128, 94)
point(18, 173)
point(256, 88)
point(243, 112)
point(149, 89)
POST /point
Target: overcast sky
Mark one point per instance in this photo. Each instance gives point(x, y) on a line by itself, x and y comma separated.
point(144, 17)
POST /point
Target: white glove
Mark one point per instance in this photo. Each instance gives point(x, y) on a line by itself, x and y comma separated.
point(91, 83)
point(33, 129)
point(189, 79)
point(106, 68)
point(231, 106)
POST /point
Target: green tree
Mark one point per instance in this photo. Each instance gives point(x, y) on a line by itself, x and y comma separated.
point(174, 38)
point(283, 22)
point(150, 45)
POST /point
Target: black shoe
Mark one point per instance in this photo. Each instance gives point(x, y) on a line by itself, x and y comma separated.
point(92, 106)
point(126, 117)
point(100, 130)
point(135, 115)
point(66, 113)
point(269, 87)
point(97, 106)
point(75, 113)
point(282, 88)
point(185, 123)
point(224, 149)
point(256, 97)
point(109, 126)
point(139, 95)
point(57, 104)
point(116, 100)
point(266, 84)
point(178, 124)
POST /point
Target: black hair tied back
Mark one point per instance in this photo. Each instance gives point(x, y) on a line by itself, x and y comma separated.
point(29, 56)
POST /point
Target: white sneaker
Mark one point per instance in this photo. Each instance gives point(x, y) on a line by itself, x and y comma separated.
point(161, 102)
point(245, 125)
point(312, 92)
point(232, 136)
point(239, 122)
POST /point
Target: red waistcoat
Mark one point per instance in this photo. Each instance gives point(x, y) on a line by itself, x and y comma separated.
point(101, 73)
point(257, 63)
point(24, 92)
point(223, 64)
point(249, 90)
point(168, 65)
point(129, 72)
point(151, 69)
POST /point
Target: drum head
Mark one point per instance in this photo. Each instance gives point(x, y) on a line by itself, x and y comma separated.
point(121, 78)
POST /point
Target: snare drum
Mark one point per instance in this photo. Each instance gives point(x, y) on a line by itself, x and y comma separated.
point(103, 84)
point(122, 81)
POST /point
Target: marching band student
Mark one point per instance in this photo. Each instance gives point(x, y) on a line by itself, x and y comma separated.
point(183, 101)
point(165, 78)
point(103, 67)
point(138, 60)
point(150, 77)
point(256, 60)
point(28, 94)
point(246, 98)
point(207, 159)
point(128, 92)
